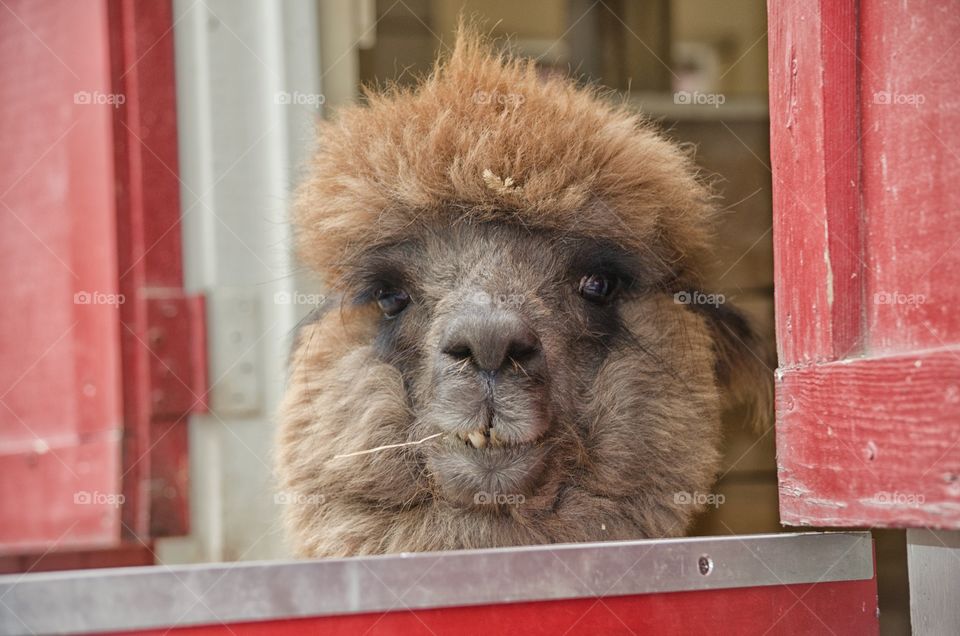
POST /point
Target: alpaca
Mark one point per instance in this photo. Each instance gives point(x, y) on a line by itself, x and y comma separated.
point(508, 353)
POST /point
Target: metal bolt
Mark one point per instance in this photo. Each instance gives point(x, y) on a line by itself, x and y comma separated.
point(705, 565)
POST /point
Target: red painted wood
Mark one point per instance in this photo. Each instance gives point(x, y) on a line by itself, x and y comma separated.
point(126, 555)
point(813, 139)
point(911, 168)
point(840, 608)
point(60, 410)
point(871, 442)
point(174, 337)
point(66, 496)
point(162, 369)
point(90, 207)
point(176, 357)
point(868, 423)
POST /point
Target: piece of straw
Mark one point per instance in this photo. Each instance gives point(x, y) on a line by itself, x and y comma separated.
point(387, 447)
point(501, 186)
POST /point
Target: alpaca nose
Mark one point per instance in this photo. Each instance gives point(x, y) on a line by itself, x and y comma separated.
point(492, 341)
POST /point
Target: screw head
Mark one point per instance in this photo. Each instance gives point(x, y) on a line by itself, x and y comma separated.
point(705, 565)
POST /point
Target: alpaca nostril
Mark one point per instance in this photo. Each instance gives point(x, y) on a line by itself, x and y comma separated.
point(459, 352)
point(521, 352)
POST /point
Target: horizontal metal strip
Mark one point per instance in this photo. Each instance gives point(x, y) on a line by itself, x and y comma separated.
point(161, 596)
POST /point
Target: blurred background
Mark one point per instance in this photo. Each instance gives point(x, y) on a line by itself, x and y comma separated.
point(216, 100)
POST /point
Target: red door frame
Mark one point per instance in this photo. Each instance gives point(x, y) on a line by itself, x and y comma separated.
point(162, 328)
point(868, 392)
point(123, 213)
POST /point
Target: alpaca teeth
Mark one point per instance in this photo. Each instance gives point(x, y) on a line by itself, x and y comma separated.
point(477, 439)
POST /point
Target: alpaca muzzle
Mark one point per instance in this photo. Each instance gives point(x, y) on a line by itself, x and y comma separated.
point(491, 400)
point(491, 378)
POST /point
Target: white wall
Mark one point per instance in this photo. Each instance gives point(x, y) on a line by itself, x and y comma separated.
point(237, 62)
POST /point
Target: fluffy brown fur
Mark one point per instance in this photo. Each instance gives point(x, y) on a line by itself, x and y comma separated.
point(489, 194)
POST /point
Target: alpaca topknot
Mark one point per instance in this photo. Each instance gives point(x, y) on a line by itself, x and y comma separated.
point(489, 137)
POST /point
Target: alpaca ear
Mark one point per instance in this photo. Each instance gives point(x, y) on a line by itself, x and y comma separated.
point(745, 364)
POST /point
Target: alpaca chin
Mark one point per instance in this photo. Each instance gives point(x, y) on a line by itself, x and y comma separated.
point(470, 476)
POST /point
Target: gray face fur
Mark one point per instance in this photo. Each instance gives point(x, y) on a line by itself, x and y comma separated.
point(569, 397)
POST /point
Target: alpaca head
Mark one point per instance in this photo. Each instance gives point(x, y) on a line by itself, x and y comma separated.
point(510, 261)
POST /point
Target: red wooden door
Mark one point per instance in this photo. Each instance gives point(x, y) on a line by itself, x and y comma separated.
point(100, 344)
point(865, 125)
point(60, 411)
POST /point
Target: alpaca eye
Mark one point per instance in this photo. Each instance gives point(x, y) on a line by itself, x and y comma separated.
point(597, 287)
point(392, 301)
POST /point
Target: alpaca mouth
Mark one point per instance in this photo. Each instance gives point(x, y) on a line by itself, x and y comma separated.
point(477, 467)
point(481, 438)
point(494, 443)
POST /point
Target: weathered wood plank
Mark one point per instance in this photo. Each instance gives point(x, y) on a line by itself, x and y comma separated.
point(911, 167)
point(814, 147)
point(60, 403)
point(871, 442)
